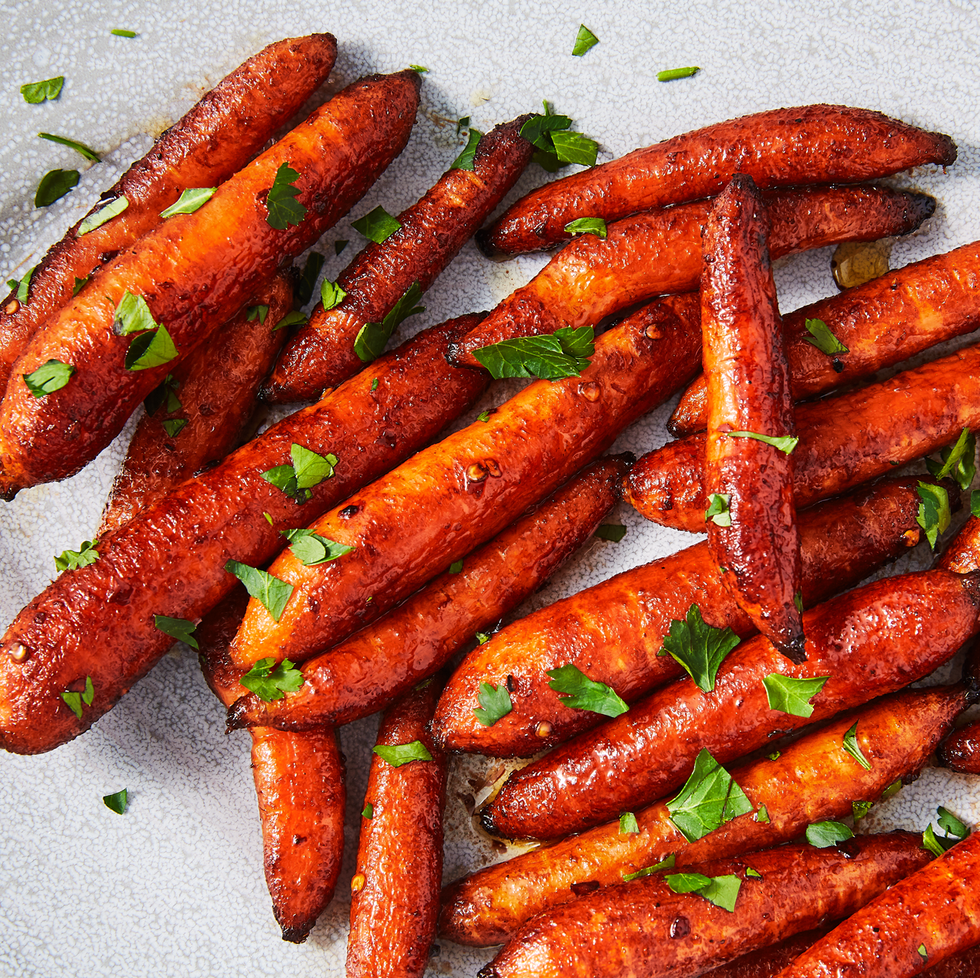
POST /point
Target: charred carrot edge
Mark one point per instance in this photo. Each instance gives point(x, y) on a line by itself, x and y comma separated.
point(475, 482)
point(915, 622)
point(194, 272)
point(758, 549)
point(781, 147)
point(98, 620)
point(215, 139)
point(216, 389)
point(412, 641)
point(936, 909)
point(963, 552)
point(647, 928)
point(882, 322)
point(613, 631)
point(810, 780)
point(844, 441)
point(321, 354)
point(395, 889)
point(660, 252)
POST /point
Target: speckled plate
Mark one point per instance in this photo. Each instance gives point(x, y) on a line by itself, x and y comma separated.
point(175, 887)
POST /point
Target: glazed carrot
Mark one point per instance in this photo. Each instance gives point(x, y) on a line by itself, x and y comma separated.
point(811, 780)
point(844, 441)
point(299, 780)
point(868, 642)
point(963, 552)
point(660, 252)
point(215, 392)
point(647, 930)
point(360, 676)
point(170, 560)
point(778, 148)
point(395, 889)
point(921, 920)
point(215, 139)
point(881, 322)
point(194, 272)
point(321, 354)
point(436, 507)
point(614, 631)
point(960, 751)
point(756, 541)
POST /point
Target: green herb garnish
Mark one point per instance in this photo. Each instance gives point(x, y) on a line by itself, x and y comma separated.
point(53, 186)
point(103, 214)
point(272, 593)
point(784, 444)
point(791, 695)
point(270, 680)
point(281, 204)
point(377, 225)
point(372, 338)
point(178, 628)
point(613, 532)
point(494, 703)
point(584, 41)
point(708, 799)
point(465, 160)
point(934, 514)
point(311, 548)
point(190, 200)
point(331, 294)
point(672, 73)
point(578, 692)
point(822, 338)
point(37, 92)
point(718, 511)
point(73, 559)
point(86, 151)
point(699, 647)
point(398, 754)
point(722, 891)
point(48, 378)
point(851, 745)
point(587, 225)
point(117, 801)
point(666, 863)
point(564, 353)
point(959, 461)
point(628, 824)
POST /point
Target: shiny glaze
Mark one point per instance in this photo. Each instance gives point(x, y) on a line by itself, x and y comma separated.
point(811, 780)
point(195, 271)
point(321, 353)
point(628, 929)
point(399, 855)
point(882, 322)
point(383, 660)
point(214, 140)
point(844, 441)
point(614, 630)
point(169, 560)
point(871, 641)
point(217, 392)
point(780, 147)
point(436, 507)
point(660, 252)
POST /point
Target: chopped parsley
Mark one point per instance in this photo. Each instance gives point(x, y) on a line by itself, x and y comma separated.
point(822, 338)
point(578, 692)
point(281, 204)
point(98, 218)
point(791, 695)
point(564, 353)
point(708, 799)
point(851, 745)
point(73, 559)
point(86, 151)
point(53, 186)
point(270, 680)
point(495, 702)
point(934, 514)
point(465, 160)
point(958, 462)
point(190, 200)
point(823, 835)
point(272, 593)
point(699, 647)
point(48, 378)
point(628, 824)
point(718, 511)
point(585, 40)
point(308, 469)
point(117, 801)
point(784, 443)
point(310, 548)
point(75, 700)
point(37, 92)
point(377, 225)
point(398, 754)
point(178, 628)
point(613, 532)
point(722, 891)
point(671, 74)
point(372, 338)
point(587, 225)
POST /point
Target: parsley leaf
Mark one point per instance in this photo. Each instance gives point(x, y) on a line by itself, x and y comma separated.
point(103, 214)
point(166, 390)
point(934, 513)
point(494, 703)
point(308, 469)
point(372, 338)
point(307, 280)
point(699, 647)
point(37, 92)
point(122, 32)
point(791, 695)
point(261, 585)
point(462, 123)
point(717, 510)
point(377, 225)
point(851, 745)
point(257, 312)
point(339, 245)
point(189, 201)
point(270, 680)
point(822, 338)
point(49, 377)
point(708, 799)
point(151, 349)
point(860, 808)
point(564, 353)
point(456, 567)
point(578, 692)
point(666, 863)
point(465, 160)
point(823, 835)
point(178, 628)
point(671, 73)
point(281, 204)
point(117, 801)
point(722, 891)
point(959, 461)
point(762, 816)
point(311, 548)
point(174, 426)
point(53, 186)
point(584, 41)
point(132, 315)
point(573, 147)
point(331, 294)
point(628, 824)
point(23, 286)
point(587, 225)
point(73, 559)
point(79, 282)
point(923, 953)
point(421, 69)
point(613, 532)
point(950, 824)
point(367, 811)
point(784, 443)
point(398, 754)
point(86, 151)
point(75, 700)
point(954, 831)
point(294, 318)
point(554, 147)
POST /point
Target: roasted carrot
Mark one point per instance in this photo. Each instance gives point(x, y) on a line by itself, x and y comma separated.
point(886, 320)
point(960, 751)
point(453, 496)
point(648, 930)
point(395, 889)
point(660, 252)
point(321, 354)
point(215, 139)
point(868, 642)
point(811, 780)
point(963, 552)
point(193, 273)
point(777, 148)
point(204, 406)
point(170, 560)
point(415, 639)
point(844, 441)
point(299, 780)
point(613, 632)
point(921, 920)
point(757, 543)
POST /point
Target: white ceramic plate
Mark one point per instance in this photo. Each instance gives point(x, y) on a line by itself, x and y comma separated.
point(175, 887)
